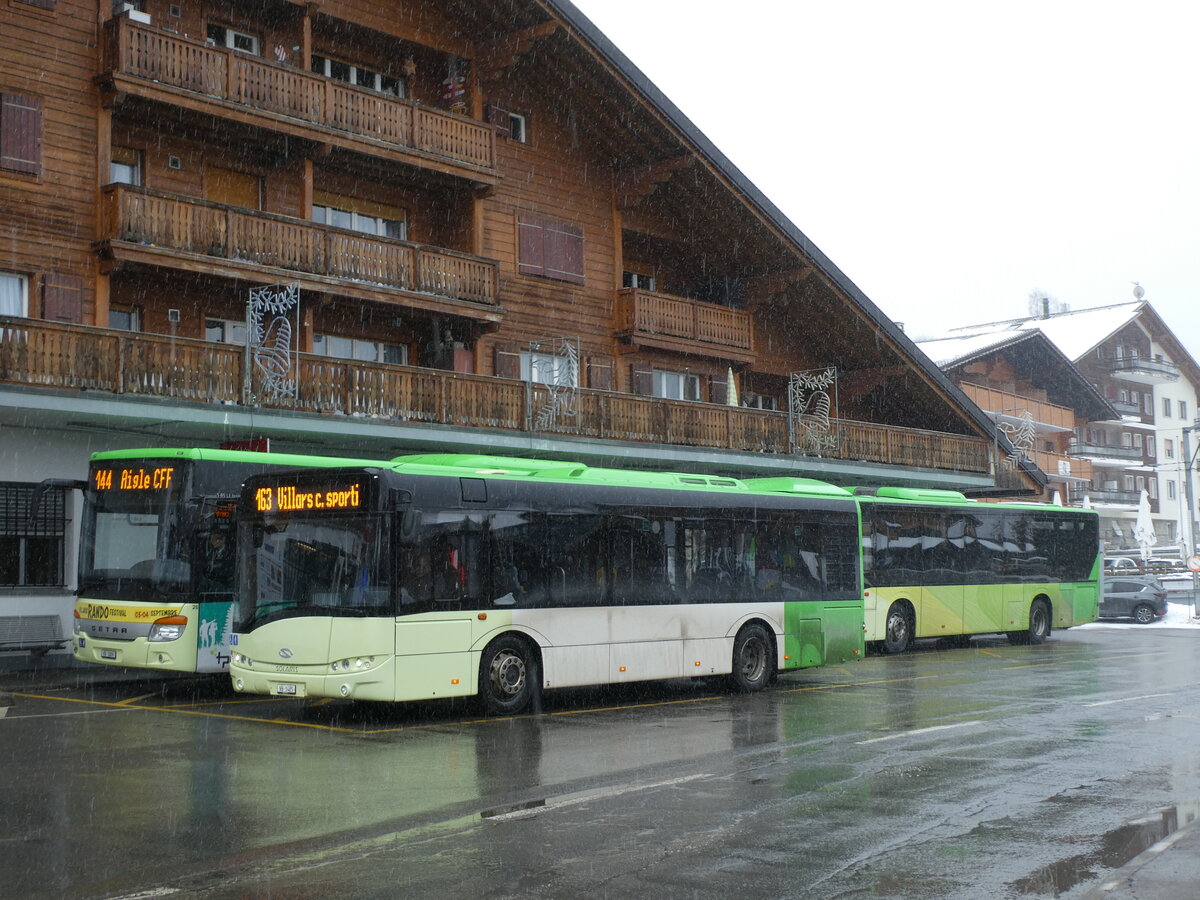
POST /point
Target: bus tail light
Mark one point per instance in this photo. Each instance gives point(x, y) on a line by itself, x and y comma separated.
point(169, 628)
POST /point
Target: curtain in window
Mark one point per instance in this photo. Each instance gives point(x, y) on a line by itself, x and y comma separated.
point(12, 295)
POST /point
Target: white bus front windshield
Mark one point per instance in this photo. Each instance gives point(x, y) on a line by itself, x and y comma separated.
point(307, 566)
point(134, 543)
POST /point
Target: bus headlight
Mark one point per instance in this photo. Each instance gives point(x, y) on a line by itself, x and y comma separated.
point(168, 629)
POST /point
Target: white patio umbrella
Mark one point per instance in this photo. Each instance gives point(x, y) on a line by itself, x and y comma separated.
point(731, 391)
point(1143, 528)
point(1056, 499)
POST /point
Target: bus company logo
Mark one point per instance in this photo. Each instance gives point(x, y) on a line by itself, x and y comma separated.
point(108, 630)
point(285, 653)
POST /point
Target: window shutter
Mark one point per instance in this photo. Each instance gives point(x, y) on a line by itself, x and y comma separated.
point(600, 373)
point(21, 133)
point(62, 298)
point(498, 117)
point(508, 361)
point(550, 249)
point(564, 252)
point(531, 243)
point(40, 4)
point(641, 380)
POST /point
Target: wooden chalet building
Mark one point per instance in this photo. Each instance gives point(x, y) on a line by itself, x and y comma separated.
point(474, 198)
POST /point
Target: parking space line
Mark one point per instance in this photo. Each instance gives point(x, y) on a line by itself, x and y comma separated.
point(917, 731)
point(1125, 700)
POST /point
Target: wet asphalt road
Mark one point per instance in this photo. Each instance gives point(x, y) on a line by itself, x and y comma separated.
point(990, 770)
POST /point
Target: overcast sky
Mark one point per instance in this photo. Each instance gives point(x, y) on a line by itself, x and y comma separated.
point(952, 157)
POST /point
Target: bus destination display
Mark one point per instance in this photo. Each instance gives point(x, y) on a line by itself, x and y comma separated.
point(155, 478)
point(289, 498)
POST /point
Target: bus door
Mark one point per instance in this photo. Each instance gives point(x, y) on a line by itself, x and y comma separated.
point(214, 568)
point(942, 597)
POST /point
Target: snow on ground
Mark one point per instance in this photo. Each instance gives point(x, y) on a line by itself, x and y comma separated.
point(1179, 615)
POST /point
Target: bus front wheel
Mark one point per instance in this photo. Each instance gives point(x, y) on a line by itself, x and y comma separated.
point(508, 675)
point(753, 659)
point(898, 629)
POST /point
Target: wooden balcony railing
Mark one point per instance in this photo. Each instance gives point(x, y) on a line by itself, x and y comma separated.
point(74, 357)
point(1004, 403)
point(644, 314)
point(167, 221)
point(143, 52)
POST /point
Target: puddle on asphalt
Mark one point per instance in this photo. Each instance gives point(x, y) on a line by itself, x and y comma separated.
point(1117, 847)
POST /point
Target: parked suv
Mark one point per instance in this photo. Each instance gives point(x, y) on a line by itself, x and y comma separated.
point(1117, 563)
point(1127, 597)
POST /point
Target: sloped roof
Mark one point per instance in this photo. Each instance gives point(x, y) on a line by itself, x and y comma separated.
point(1074, 332)
point(1036, 357)
point(1078, 332)
point(640, 83)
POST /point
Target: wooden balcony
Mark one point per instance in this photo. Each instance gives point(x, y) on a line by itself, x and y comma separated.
point(1047, 417)
point(648, 319)
point(144, 61)
point(73, 357)
point(142, 225)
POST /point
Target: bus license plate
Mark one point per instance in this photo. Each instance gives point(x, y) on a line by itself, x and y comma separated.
point(285, 689)
point(108, 654)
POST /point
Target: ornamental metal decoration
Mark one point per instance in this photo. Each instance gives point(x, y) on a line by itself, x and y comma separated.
point(272, 325)
point(812, 398)
point(553, 364)
point(1021, 435)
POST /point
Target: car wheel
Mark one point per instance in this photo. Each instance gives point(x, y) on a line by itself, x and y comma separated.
point(1143, 614)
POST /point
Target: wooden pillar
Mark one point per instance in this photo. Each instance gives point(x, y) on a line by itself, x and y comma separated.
point(103, 167)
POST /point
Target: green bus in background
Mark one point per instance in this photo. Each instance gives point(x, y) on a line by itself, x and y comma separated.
point(936, 564)
point(156, 562)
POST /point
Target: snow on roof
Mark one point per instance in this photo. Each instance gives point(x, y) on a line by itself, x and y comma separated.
point(950, 349)
point(1074, 333)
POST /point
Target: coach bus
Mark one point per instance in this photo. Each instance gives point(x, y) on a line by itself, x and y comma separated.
point(156, 578)
point(936, 564)
point(446, 575)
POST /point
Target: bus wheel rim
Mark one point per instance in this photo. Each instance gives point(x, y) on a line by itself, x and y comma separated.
point(508, 673)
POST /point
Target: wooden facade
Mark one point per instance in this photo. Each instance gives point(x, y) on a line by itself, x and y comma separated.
point(449, 182)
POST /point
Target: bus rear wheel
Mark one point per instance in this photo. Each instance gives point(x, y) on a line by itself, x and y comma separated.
point(898, 629)
point(753, 659)
point(508, 675)
point(1039, 625)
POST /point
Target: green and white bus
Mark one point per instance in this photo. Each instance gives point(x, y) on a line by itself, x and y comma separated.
point(444, 575)
point(936, 564)
point(156, 562)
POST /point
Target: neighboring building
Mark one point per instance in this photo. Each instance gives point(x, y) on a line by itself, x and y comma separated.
point(1036, 396)
point(504, 238)
point(1133, 359)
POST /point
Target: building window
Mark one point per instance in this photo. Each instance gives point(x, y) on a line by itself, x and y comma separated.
point(358, 75)
point(1152, 487)
point(31, 548)
point(517, 127)
point(1183, 409)
point(641, 281)
point(752, 400)
point(21, 133)
point(1123, 397)
point(1139, 483)
point(393, 226)
point(14, 295)
point(1129, 483)
point(125, 167)
point(125, 318)
point(225, 331)
point(1168, 448)
point(1166, 407)
point(234, 40)
point(676, 385)
point(548, 368)
point(1170, 489)
point(1149, 445)
point(550, 249)
point(358, 349)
